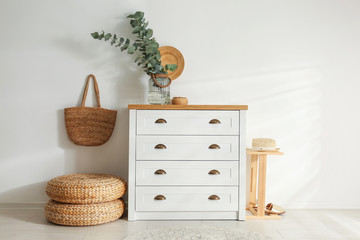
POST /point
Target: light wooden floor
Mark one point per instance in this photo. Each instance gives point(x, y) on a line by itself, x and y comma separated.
point(297, 224)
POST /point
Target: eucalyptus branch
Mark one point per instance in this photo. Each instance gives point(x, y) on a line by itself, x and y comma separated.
point(149, 55)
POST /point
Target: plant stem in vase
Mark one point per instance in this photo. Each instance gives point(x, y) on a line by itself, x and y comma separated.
point(159, 89)
point(148, 57)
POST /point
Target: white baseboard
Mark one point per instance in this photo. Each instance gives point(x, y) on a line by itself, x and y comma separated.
point(22, 205)
point(294, 205)
point(321, 205)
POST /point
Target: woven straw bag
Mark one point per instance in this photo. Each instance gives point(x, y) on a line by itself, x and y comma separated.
point(89, 126)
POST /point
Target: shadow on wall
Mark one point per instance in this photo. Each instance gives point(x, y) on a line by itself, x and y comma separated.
point(120, 83)
point(110, 158)
point(33, 193)
point(284, 105)
point(291, 113)
point(96, 159)
point(288, 109)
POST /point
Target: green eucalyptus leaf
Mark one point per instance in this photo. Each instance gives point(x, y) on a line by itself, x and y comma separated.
point(151, 50)
point(101, 36)
point(154, 62)
point(130, 16)
point(157, 68)
point(113, 40)
point(107, 36)
point(153, 45)
point(134, 23)
point(126, 45)
point(136, 29)
point(148, 57)
point(131, 49)
point(95, 35)
point(138, 15)
point(149, 33)
point(121, 40)
point(171, 67)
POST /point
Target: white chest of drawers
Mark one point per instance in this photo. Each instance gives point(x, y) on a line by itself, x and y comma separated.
point(187, 162)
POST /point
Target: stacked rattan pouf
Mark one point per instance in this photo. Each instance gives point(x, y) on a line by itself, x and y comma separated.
point(85, 199)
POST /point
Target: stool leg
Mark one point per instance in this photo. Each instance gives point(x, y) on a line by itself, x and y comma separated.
point(253, 180)
point(262, 185)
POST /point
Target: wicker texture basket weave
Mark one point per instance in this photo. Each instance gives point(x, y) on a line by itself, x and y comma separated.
point(89, 126)
point(84, 214)
point(86, 188)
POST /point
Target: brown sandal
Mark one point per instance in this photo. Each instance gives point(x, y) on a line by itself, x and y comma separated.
point(272, 209)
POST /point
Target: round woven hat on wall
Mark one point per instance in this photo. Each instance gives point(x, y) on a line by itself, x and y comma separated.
point(86, 188)
point(84, 214)
point(170, 55)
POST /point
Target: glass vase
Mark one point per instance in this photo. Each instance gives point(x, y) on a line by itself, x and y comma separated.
point(159, 95)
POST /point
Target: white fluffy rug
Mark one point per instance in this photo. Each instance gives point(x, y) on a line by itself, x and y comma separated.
point(193, 233)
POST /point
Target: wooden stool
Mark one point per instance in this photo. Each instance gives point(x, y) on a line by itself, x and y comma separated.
point(256, 155)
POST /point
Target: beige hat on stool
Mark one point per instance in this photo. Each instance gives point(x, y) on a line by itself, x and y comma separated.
point(264, 144)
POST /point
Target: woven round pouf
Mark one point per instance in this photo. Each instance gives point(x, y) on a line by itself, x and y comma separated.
point(86, 188)
point(84, 214)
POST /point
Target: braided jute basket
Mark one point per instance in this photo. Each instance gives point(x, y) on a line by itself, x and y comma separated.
point(84, 214)
point(89, 126)
point(86, 188)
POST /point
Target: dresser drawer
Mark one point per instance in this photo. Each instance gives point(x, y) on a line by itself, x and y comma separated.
point(187, 173)
point(187, 147)
point(183, 122)
point(186, 198)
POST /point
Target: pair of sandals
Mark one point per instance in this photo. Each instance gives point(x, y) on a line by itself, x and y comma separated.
point(272, 209)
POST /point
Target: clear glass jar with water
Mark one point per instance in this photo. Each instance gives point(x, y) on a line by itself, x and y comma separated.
point(159, 95)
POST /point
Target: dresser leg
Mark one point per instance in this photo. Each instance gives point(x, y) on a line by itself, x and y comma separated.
point(262, 185)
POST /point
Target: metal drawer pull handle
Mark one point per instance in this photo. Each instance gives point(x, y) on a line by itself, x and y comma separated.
point(214, 197)
point(214, 121)
point(160, 146)
point(214, 146)
point(160, 172)
point(161, 120)
point(214, 172)
point(160, 197)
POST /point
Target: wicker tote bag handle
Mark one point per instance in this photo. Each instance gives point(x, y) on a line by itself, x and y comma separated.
point(96, 91)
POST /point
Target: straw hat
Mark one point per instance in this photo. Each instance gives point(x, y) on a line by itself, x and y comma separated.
point(263, 144)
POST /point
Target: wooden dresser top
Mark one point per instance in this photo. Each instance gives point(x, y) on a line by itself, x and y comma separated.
point(187, 107)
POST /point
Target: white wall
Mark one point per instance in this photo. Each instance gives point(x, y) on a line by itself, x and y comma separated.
point(295, 63)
